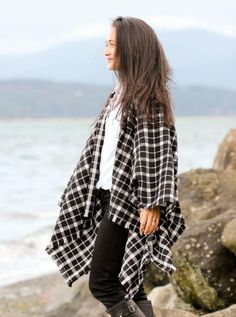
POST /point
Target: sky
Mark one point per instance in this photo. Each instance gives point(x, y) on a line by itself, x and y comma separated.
point(35, 25)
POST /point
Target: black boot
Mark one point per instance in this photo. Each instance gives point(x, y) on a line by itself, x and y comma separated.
point(125, 308)
point(146, 307)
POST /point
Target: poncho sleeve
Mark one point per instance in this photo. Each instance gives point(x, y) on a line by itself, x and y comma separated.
point(155, 163)
point(154, 177)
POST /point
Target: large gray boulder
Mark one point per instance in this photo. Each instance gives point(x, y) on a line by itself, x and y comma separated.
point(225, 158)
point(206, 274)
point(205, 193)
point(165, 297)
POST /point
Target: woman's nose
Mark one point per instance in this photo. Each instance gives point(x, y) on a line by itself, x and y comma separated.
point(106, 51)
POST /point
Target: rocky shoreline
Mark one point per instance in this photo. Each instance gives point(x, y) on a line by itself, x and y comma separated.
point(49, 296)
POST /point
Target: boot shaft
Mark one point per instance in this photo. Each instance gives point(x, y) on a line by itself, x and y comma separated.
point(125, 308)
point(146, 307)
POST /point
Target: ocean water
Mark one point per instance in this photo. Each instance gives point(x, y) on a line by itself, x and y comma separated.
point(37, 158)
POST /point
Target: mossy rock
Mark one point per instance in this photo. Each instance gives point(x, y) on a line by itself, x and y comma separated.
point(154, 277)
point(206, 270)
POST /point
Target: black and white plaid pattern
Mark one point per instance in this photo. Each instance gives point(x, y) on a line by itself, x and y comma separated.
point(144, 175)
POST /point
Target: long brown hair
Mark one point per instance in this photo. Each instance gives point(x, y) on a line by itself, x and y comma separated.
point(143, 71)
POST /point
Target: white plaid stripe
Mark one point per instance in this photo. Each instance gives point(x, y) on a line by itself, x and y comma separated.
point(144, 175)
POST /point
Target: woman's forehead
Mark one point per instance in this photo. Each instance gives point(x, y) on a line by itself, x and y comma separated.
point(111, 36)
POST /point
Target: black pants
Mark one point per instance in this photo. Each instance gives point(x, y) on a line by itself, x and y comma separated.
point(107, 259)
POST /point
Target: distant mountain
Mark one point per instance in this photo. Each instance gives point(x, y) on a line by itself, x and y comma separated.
point(197, 57)
point(42, 99)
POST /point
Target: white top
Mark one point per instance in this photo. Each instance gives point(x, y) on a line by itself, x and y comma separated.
point(112, 129)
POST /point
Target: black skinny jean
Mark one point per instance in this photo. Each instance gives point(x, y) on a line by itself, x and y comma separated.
point(107, 259)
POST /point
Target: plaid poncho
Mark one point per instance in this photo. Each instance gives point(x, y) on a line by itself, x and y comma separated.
point(144, 176)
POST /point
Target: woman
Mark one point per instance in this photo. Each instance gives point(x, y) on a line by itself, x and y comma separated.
point(120, 208)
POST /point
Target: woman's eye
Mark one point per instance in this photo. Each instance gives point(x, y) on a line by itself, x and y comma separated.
point(112, 45)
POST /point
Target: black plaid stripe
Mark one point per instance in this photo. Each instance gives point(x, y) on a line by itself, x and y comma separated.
point(144, 175)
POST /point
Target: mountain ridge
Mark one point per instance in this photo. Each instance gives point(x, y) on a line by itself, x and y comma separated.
point(46, 98)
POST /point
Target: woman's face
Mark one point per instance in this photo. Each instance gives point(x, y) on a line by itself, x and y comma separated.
point(110, 49)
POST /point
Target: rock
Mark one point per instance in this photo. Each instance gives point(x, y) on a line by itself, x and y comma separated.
point(165, 297)
point(82, 304)
point(154, 277)
point(172, 313)
point(206, 193)
point(206, 270)
point(228, 237)
point(228, 312)
point(49, 296)
point(34, 297)
point(225, 158)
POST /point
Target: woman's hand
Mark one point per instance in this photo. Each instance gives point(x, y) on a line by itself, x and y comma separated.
point(149, 220)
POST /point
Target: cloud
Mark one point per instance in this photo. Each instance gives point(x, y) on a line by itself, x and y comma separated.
point(174, 23)
point(18, 45)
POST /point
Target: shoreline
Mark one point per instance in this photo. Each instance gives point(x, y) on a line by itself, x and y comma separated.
point(38, 295)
